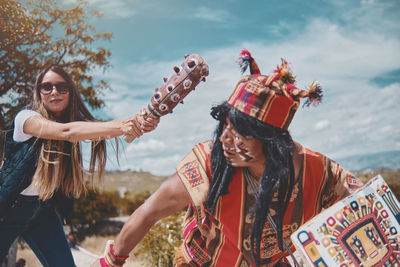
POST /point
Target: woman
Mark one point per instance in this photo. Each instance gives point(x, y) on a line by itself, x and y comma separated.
point(43, 168)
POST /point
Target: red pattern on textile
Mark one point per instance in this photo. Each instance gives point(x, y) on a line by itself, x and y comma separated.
point(192, 172)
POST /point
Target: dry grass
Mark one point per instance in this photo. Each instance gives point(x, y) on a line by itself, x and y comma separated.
point(392, 178)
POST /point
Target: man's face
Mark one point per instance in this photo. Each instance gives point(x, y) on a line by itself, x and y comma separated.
point(240, 151)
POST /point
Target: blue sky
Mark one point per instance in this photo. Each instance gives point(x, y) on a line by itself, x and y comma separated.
point(351, 47)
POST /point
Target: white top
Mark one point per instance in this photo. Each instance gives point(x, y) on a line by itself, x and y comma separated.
point(22, 116)
point(20, 136)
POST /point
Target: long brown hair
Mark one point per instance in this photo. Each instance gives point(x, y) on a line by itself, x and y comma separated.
point(60, 163)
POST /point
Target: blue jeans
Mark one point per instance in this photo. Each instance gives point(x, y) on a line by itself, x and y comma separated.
point(41, 228)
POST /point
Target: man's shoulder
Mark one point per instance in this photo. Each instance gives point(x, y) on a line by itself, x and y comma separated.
point(194, 171)
point(203, 147)
point(309, 153)
point(200, 156)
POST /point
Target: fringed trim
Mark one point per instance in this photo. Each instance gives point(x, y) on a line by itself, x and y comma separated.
point(315, 94)
point(285, 72)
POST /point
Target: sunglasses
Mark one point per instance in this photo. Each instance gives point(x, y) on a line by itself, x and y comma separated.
point(47, 88)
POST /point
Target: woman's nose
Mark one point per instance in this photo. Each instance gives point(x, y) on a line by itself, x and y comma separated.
point(54, 90)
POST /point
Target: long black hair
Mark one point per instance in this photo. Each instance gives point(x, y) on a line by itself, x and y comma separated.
point(278, 175)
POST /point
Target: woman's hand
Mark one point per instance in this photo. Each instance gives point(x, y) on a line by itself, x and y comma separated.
point(133, 126)
point(148, 124)
point(139, 124)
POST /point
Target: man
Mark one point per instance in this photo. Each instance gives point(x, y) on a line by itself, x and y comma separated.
point(250, 188)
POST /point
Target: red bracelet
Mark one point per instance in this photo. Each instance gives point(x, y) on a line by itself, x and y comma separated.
point(110, 259)
point(116, 257)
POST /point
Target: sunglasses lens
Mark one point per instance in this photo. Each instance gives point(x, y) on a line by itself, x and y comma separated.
point(46, 88)
point(62, 88)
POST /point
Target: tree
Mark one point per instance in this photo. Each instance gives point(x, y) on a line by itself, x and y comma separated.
point(39, 34)
point(90, 209)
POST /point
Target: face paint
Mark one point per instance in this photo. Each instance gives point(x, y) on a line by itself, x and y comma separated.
point(240, 151)
point(243, 151)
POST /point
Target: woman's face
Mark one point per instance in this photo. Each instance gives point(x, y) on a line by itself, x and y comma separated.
point(240, 151)
point(54, 92)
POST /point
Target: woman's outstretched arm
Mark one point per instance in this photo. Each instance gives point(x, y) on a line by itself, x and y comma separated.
point(82, 130)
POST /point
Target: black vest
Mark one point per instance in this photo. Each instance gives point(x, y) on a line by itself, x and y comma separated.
point(19, 166)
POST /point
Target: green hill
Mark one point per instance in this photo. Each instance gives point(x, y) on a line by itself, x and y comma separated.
point(132, 181)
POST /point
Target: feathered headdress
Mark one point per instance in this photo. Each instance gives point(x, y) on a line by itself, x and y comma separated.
point(273, 99)
point(245, 60)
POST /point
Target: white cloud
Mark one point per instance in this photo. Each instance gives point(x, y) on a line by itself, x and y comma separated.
point(280, 29)
point(321, 125)
point(146, 147)
point(214, 15)
point(364, 2)
point(115, 8)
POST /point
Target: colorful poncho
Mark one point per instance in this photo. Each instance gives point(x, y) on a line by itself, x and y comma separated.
point(223, 239)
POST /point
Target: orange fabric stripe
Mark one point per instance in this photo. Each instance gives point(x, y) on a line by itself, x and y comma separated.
point(313, 169)
point(231, 218)
point(242, 212)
